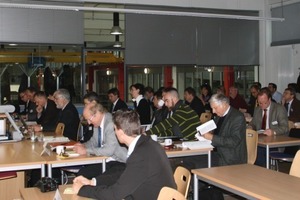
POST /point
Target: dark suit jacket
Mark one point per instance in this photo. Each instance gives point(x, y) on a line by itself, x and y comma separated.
point(141, 179)
point(119, 105)
point(295, 111)
point(70, 117)
point(231, 140)
point(278, 120)
point(30, 110)
point(144, 111)
point(197, 105)
point(48, 119)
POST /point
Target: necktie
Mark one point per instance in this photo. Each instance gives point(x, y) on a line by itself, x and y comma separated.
point(264, 120)
point(286, 105)
point(99, 137)
point(135, 104)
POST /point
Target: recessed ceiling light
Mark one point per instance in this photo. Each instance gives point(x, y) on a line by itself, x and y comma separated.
point(12, 44)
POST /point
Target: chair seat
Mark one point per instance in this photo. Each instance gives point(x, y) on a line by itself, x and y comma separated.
point(72, 169)
point(281, 156)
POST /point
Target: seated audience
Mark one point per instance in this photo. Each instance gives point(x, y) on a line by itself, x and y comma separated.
point(141, 105)
point(161, 111)
point(140, 179)
point(270, 117)
point(149, 94)
point(182, 121)
point(291, 104)
point(236, 100)
point(277, 96)
point(47, 113)
point(116, 103)
point(254, 89)
point(102, 143)
point(296, 88)
point(193, 101)
point(68, 114)
point(205, 94)
point(230, 135)
point(91, 97)
point(31, 112)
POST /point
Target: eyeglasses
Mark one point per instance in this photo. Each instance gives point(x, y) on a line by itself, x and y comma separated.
point(91, 118)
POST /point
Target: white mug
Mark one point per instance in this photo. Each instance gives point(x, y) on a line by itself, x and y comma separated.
point(60, 149)
point(154, 137)
point(168, 142)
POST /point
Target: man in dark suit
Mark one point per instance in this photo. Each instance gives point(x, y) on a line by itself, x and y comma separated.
point(31, 106)
point(117, 103)
point(68, 114)
point(47, 113)
point(141, 179)
point(230, 135)
point(193, 101)
point(291, 104)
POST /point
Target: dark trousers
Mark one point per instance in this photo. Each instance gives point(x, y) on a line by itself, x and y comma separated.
point(112, 167)
point(261, 156)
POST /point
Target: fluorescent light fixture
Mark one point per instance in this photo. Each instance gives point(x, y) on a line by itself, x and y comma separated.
point(12, 44)
point(117, 44)
point(138, 11)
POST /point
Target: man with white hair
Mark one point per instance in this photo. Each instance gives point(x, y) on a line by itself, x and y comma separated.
point(230, 135)
point(68, 115)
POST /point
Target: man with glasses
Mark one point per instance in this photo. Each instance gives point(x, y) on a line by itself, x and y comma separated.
point(68, 114)
point(102, 143)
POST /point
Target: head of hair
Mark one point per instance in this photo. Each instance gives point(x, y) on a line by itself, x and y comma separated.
point(256, 87)
point(158, 94)
point(173, 92)
point(294, 86)
point(31, 89)
point(92, 96)
point(64, 93)
point(273, 85)
point(266, 91)
point(140, 87)
point(190, 90)
point(96, 107)
point(40, 94)
point(207, 87)
point(128, 121)
point(219, 99)
point(114, 91)
point(167, 89)
point(258, 84)
point(292, 91)
point(149, 89)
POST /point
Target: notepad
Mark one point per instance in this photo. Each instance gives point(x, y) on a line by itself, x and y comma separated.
point(197, 145)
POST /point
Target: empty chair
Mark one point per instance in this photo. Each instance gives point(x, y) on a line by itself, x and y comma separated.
point(251, 140)
point(167, 193)
point(288, 154)
point(295, 168)
point(205, 117)
point(182, 178)
point(59, 131)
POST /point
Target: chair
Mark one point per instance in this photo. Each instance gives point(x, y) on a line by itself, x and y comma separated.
point(288, 154)
point(167, 193)
point(295, 168)
point(59, 131)
point(7, 175)
point(182, 178)
point(251, 140)
point(205, 117)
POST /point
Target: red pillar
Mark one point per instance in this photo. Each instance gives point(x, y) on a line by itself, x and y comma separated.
point(228, 77)
point(168, 81)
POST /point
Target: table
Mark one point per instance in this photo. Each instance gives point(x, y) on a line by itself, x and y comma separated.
point(249, 181)
point(274, 142)
point(35, 194)
point(21, 155)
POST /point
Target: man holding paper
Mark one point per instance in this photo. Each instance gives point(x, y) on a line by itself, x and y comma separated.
point(229, 138)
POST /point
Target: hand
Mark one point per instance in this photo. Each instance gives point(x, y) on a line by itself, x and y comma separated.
point(208, 136)
point(243, 110)
point(37, 128)
point(269, 132)
point(79, 148)
point(76, 187)
point(82, 180)
point(39, 109)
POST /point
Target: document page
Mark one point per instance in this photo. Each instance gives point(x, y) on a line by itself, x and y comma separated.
point(206, 127)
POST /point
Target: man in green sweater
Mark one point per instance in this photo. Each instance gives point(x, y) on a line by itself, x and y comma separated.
point(182, 120)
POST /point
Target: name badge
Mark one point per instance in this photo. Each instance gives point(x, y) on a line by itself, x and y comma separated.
point(275, 123)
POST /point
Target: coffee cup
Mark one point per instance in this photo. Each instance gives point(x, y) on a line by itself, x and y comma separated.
point(168, 142)
point(60, 149)
point(154, 137)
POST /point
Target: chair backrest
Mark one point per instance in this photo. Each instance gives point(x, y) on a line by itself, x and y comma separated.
point(182, 178)
point(295, 167)
point(291, 125)
point(205, 117)
point(59, 131)
point(251, 140)
point(167, 193)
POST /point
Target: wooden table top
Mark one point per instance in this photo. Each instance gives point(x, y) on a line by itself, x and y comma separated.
point(252, 181)
point(35, 194)
point(277, 141)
